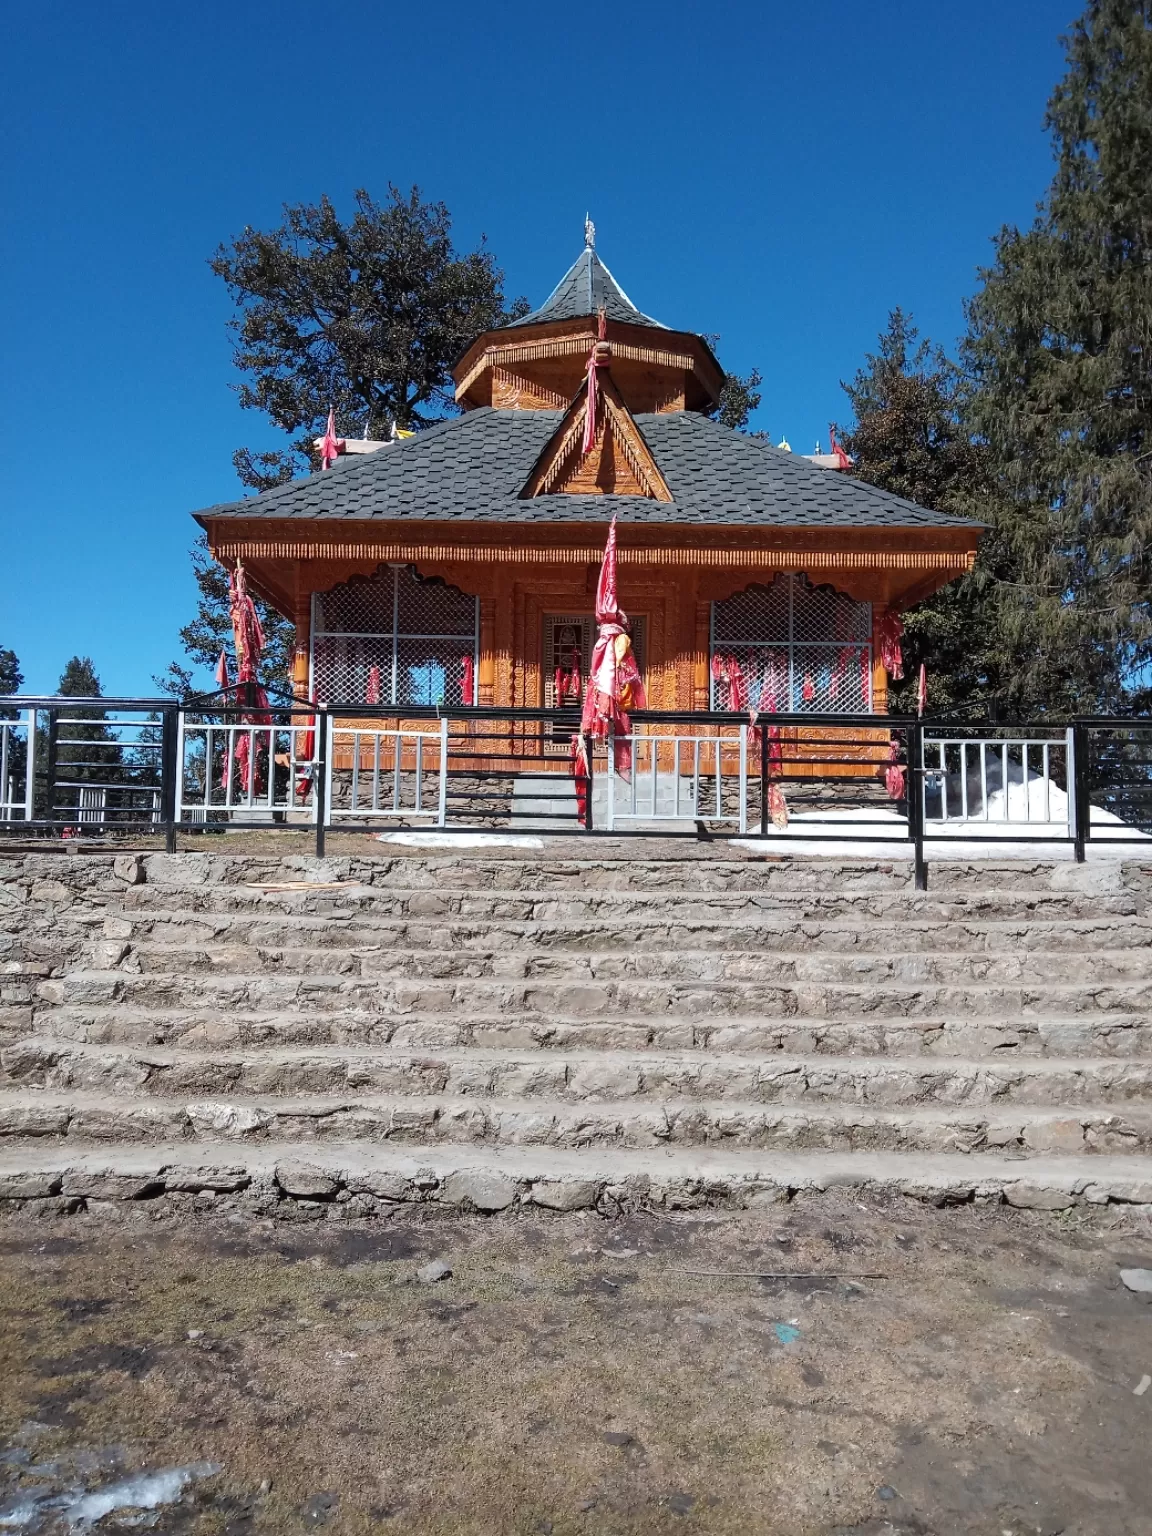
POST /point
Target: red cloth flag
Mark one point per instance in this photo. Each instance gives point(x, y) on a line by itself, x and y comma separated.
point(248, 638)
point(614, 684)
point(579, 764)
point(247, 634)
point(727, 670)
point(468, 681)
point(777, 806)
point(842, 459)
point(894, 773)
point(305, 751)
point(566, 684)
point(889, 633)
point(595, 361)
point(222, 678)
point(332, 446)
point(922, 690)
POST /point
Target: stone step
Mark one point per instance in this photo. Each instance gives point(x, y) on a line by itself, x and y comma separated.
point(631, 868)
point(630, 996)
point(1112, 1035)
point(578, 1076)
point(583, 1027)
point(561, 905)
point(624, 963)
point(766, 931)
point(324, 1181)
point(421, 1119)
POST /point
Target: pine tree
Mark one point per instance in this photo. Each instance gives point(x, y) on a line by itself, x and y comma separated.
point(87, 748)
point(1059, 351)
point(11, 678)
point(79, 680)
point(11, 681)
point(909, 437)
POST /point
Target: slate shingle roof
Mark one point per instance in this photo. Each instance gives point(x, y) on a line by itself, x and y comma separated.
point(582, 290)
point(473, 468)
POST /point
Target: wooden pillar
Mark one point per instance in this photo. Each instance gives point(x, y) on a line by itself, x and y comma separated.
point(300, 654)
point(701, 660)
point(486, 677)
point(519, 699)
point(879, 674)
point(685, 640)
point(502, 649)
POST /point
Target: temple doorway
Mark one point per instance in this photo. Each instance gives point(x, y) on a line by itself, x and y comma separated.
point(567, 643)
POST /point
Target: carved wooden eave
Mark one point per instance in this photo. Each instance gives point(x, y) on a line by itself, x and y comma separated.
point(619, 464)
point(540, 365)
point(801, 547)
point(290, 558)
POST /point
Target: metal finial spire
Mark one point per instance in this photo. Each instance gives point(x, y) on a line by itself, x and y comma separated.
point(589, 232)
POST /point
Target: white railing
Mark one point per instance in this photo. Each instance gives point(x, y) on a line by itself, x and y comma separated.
point(18, 767)
point(375, 772)
point(97, 803)
point(229, 772)
point(1000, 780)
point(681, 777)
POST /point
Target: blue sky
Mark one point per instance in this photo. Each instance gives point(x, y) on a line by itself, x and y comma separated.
point(781, 174)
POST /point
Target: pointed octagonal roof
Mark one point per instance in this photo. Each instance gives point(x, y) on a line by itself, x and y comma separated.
point(585, 288)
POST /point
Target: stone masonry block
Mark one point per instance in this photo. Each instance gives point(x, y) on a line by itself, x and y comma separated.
point(1037, 1197)
point(566, 1194)
point(29, 1186)
point(480, 1189)
point(306, 1182)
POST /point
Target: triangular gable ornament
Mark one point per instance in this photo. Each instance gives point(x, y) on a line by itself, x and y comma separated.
point(597, 449)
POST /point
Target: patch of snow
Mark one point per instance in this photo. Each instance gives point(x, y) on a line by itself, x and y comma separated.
point(459, 840)
point(81, 1510)
point(146, 1490)
point(878, 832)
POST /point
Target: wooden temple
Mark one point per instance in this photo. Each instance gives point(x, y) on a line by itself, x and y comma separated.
point(459, 565)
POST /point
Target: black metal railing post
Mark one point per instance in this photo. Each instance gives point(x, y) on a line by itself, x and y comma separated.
point(915, 791)
point(320, 778)
point(1080, 789)
point(169, 768)
point(763, 779)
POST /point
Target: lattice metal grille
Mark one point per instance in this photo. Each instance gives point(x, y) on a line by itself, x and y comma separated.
point(395, 638)
point(568, 642)
point(791, 647)
point(757, 614)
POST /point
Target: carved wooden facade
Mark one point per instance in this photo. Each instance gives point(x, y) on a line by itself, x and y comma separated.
point(529, 571)
point(530, 549)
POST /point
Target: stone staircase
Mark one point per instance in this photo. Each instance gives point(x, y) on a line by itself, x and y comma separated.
point(328, 1037)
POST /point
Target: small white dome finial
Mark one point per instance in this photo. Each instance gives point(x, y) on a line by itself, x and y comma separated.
point(589, 232)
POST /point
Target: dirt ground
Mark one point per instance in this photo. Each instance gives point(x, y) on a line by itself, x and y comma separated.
point(576, 1375)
